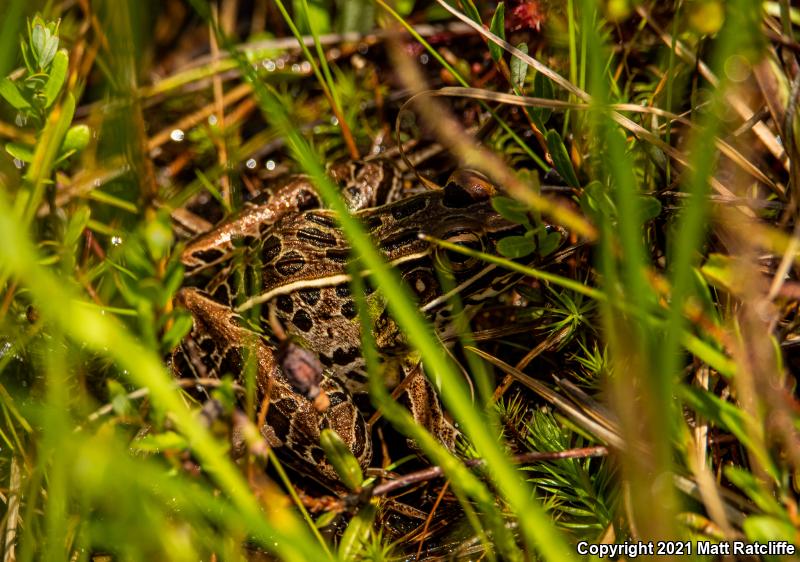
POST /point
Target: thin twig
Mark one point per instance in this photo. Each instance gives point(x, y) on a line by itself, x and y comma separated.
point(435, 471)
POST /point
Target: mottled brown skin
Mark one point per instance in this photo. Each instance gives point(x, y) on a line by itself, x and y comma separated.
point(298, 259)
point(293, 423)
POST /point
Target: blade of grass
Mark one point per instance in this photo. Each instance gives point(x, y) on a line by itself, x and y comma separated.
point(632, 342)
point(55, 446)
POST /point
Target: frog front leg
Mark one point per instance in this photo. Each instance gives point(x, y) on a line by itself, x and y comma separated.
point(363, 185)
point(219, 344)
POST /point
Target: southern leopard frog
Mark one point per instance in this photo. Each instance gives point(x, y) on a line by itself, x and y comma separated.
point(292, 259)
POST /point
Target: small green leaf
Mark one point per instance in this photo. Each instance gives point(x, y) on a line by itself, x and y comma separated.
point(169, 440)
point(754, 489)
point(516, 246)
point(342, 459)
point(561, 160)
point(38, 41)
point(181, 324)
point(471, 11)
point(498, 28)
point(315, 16)
point(357, 532)
point(542, 88)
point(158, 236)
point(20, 151)
point(10, 93)
point(650, 208)
point(225, 394)
point(77, 138)
point(173, 278)
point(548, 242)
point(75, 227)
point(511, 210)
point(657, 156)
point(58, 74)
point(44, 156)
point(519, 68)
point(325, 519)
point(404, 7)
point(727, 416)
point(50, 49)
point(24, 48)
point(703, 293)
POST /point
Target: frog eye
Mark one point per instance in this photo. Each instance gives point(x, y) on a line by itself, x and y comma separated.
point(456, 261)
point(465, 187)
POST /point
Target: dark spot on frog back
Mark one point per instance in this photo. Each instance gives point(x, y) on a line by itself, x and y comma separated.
point(349, 310)
point(243, 240)
point(337, 255)
point(278, 420)
point(222, 294)
point(373, 222)
point(231, 362)
point(466, 187)
point(320, 219)
point(270, 249)
point(290, 263)
point(284, 304)
point(317, 454)
point(302, 320)
point(409, 207)
point(345, 356)
point(309, 296)
point(397, 241)
point(316, 237)
point(336, 397)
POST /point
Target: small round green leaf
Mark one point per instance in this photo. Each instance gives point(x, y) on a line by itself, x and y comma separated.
point(548, 243)
point(649, 207)
point(516, 246)
point(511, 209)
point(77, 138)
